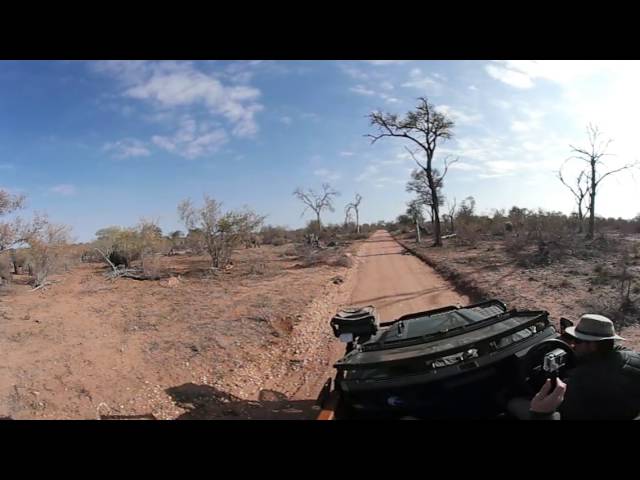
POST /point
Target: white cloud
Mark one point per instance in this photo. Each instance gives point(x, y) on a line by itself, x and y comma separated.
point(369, 173)
point(510, 77)
point(460, 116)
point(502, 104)
point(346, 154)
point(286, 120)
point(6, 166)
point(64, 189)
point(386, 62)
point(466, 167)
point(532, 122)
point(126, 148)
point(523, 73)
point(502, 166)
point(518, 126)
point(192, 140)
point(473, 88)
point(353, 72)
point(327, 174)
point(172, 85)
point(362, 90)
point(393, 169)
point(420, 81)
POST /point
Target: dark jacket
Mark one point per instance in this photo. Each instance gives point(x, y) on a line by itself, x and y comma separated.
point(603, 387)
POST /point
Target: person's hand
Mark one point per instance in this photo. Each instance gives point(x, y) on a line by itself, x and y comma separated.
point(547, 401)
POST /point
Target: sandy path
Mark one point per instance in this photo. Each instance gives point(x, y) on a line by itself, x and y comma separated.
point(397, 283)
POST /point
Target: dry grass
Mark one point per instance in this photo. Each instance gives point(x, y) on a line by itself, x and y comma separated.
point(579, 277)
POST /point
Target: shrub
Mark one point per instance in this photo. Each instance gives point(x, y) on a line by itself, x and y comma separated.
point(152, 268)
point(6, 267)
point(343, 261)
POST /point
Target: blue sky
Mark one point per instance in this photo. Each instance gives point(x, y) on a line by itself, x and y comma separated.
point(108, 142)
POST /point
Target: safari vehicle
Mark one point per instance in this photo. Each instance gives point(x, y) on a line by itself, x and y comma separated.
point(448, 363)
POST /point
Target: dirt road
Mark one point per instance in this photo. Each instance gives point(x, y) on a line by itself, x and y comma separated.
point(397, 283)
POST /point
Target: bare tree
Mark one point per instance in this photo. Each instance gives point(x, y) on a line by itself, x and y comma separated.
point(425, 127)
point(317, 201)
point(355, 206)
point(348, 217)
point(451, 208)
point(221, 232)
point(592, 155)
point(579, 192)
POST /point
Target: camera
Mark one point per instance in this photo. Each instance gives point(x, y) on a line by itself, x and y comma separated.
point(554, 361)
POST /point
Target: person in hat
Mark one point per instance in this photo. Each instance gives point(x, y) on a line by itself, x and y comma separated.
point(604, 385)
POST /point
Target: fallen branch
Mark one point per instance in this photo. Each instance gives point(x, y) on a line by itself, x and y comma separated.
point(115, 269)
point(45, 284)
point(124, 272)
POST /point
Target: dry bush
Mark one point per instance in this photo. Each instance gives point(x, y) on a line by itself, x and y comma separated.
point(468, 232)
point(291, 251)
point(278, 241)
point(357, 236)
point(20, 260)
point(309, 257)
point(48, 243)
point(273, 235)
point(257, 268)
point(152, 267)
point(343, 261)
point(622, 304)
point(221, 232)
point(6, 268)
point(602, 275)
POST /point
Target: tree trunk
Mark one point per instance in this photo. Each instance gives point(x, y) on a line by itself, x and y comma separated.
point(318, 219)
point(580, 219)
point(592, 198)
point(437, 236)
point(357, 222)
point(417, 230)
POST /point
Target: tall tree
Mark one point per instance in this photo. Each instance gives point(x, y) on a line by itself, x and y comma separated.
point(592, 155)
point(317, 201)
point(425, 127)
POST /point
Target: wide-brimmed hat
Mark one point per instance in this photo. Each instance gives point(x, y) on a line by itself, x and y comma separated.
point(593, 328)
